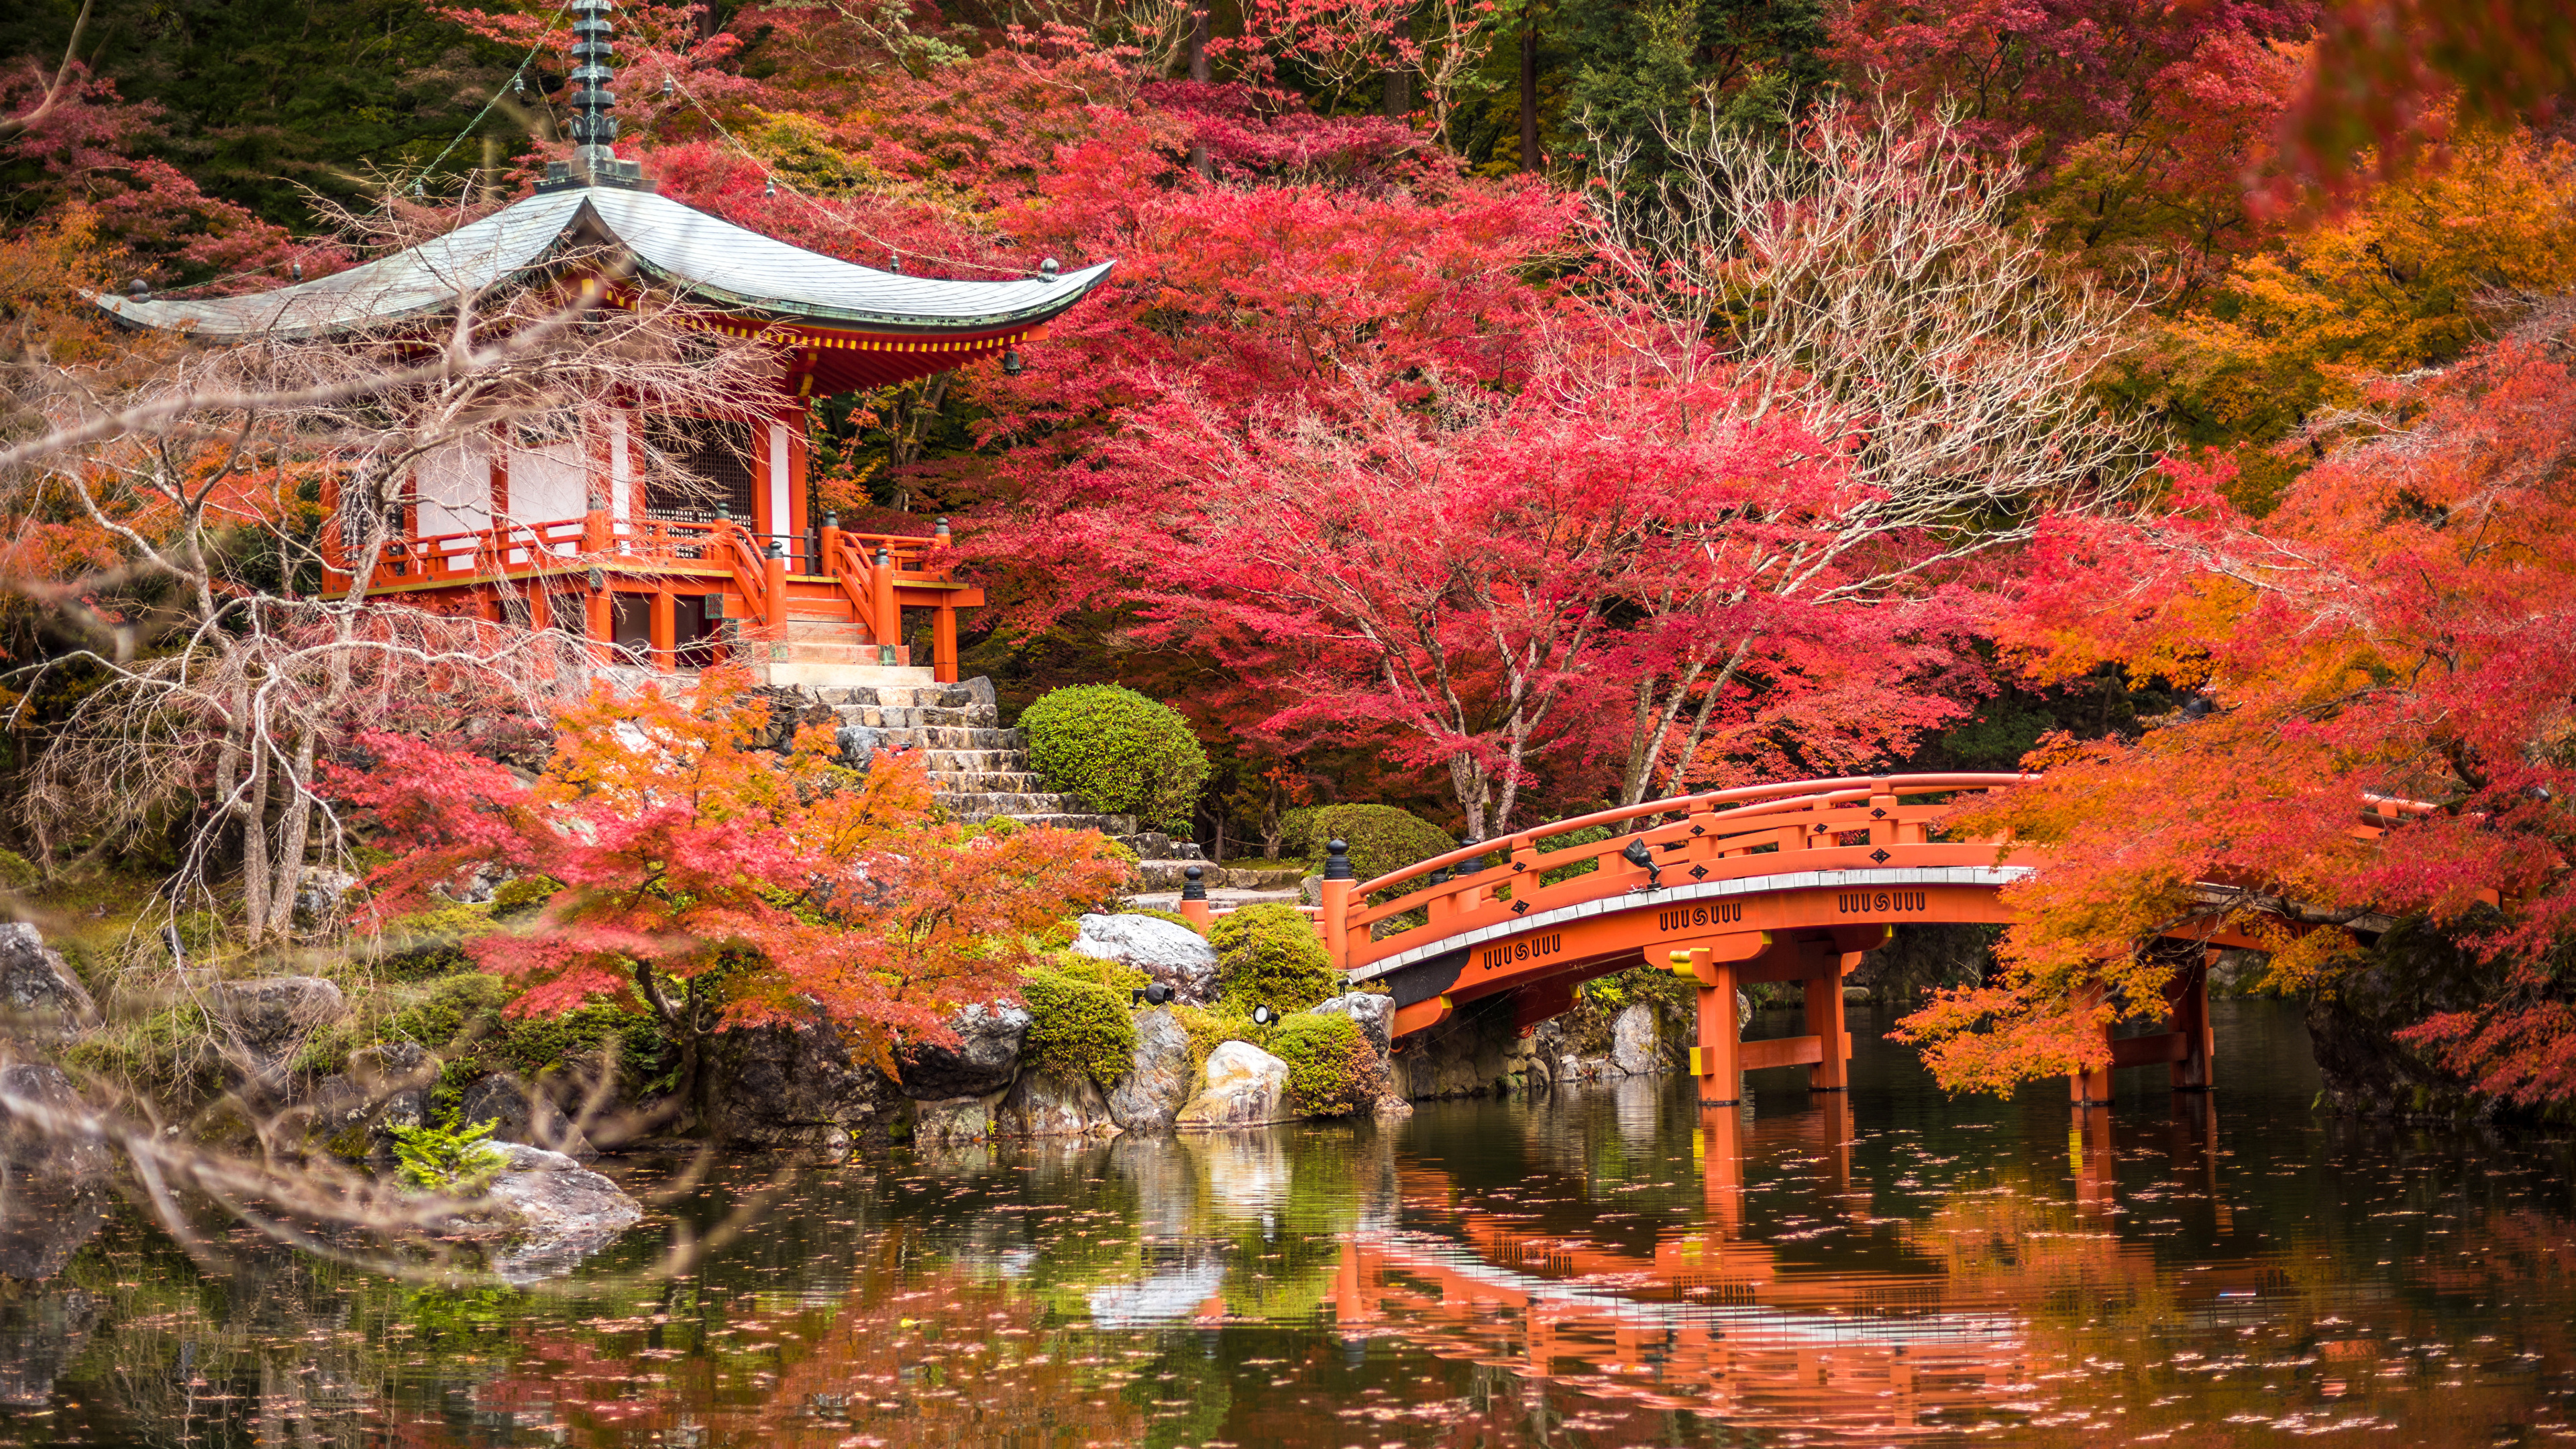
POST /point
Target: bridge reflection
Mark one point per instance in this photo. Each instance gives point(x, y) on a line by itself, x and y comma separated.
point(1707, 1320)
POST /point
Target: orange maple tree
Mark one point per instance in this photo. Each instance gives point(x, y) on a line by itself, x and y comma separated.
point(725, 883)
point(2384, 668)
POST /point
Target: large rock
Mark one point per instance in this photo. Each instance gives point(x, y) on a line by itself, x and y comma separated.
point(984, 1060)
point(1477, 1050)
point(525, 1114)
point(546, 1213)
point(1246, 1087)
point(38, 992)
point(386, 1086)
point(1375, 1015)
point(40, 1337)
point(1046, 1104)
point(959, 1119)
point(796, 1087)
point(1165, 951)
point(1634, 1042)
point(1157, 1085)
point(272, 1015)
point(51, 1173)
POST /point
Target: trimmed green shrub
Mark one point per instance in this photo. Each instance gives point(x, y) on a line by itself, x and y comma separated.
point(1211, 1027)
point(1297, 837)
point(1122, 753)
point(1332, 1071)
point(1381, 837)
point(1572, 839)
point(1270, 954)
point(1077, 1028)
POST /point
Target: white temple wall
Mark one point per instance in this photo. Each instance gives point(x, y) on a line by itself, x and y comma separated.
point(454, 488)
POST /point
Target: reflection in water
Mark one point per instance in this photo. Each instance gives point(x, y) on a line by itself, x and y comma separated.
point(1611, 1266)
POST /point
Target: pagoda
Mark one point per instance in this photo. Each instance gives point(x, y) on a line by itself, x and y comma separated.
point(569, 529)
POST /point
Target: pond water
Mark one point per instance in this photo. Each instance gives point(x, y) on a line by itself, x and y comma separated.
point(1598, 1268)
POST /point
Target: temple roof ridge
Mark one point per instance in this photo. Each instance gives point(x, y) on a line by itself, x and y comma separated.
point(702, 255)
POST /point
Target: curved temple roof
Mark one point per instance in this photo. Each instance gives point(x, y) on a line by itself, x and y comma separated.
point(679, 245)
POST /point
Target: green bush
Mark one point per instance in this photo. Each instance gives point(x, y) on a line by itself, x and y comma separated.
point(456, 1161)
point(1297, 837)
point(525, 895)
point(1211, 1027)
point(1332, 1070)
point(1122, 753)
point(1381, 837)
point(1570, 840)
point(1077, 1028)
point(430, 944)
point(18, 873)
point(1270, 954)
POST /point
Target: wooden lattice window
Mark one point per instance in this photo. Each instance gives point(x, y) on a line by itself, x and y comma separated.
point(715, 456)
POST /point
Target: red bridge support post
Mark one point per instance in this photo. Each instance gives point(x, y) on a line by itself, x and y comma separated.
point(2190, 1006)
point(2093, 1088)
point(1825, 967)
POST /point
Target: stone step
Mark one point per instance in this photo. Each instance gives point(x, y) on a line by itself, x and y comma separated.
point(1262, 878)
point(825, 626)
point(830, 651)
point(970, 762)
point(1155, 845)
point(940, 696)
point(1105, 824)
point(907, 716)
point(983, 805)
point(987, 782)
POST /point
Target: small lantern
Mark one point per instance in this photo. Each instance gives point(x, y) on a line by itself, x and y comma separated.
point(598, 579)
point(1011, 364)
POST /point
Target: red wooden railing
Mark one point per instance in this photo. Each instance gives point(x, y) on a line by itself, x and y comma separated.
point(1716, 833)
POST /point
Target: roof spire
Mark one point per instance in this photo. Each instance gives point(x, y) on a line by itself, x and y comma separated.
point(593, 128)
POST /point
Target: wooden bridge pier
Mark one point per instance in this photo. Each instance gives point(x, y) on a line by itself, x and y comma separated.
point(1720, 1058)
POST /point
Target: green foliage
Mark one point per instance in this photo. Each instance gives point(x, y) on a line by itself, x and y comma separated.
point(1077, 1028)
point(524, 896)
point(1381, 837)
point(428, 944)
point(1598, 1002)
point(1998, 737)
point(1332, 1070)
point(18, 873)
point(1588, 835)
point(168, 1055)
point(1297, 837)
point(456, 1161)
point(1635, 65)
point(1270, 954)
point(1175, 917)
point(1122, 753)
point(1211, 1027)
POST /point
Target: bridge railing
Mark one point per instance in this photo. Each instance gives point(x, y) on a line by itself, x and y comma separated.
point(1364, 922)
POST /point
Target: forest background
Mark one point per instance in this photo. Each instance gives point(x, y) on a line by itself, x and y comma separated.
point(2243, 499)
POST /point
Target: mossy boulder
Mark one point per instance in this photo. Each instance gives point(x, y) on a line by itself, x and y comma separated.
point(1269, 955)
point(1332, 1069)
point(1077, 1028)
point(1123, 753)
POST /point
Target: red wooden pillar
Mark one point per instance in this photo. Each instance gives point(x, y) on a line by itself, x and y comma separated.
point(2093, 1088)
point(1721, 1164)
point(665, 628)
point(773, 582)
point(1717, 1058)
point(541, 614)
point(943, 645)
point(1824, 984)
point(2190, 1003)
point(600, 623)
point(881, 598)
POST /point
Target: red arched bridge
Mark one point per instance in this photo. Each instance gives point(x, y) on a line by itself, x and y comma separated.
point(1788, 882)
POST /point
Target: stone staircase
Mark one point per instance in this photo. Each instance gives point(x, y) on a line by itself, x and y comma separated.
point(979, 771)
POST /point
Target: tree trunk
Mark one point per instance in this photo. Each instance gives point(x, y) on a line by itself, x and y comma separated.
point(1529, 90)
point(1197, 53)
point(1399, 81)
